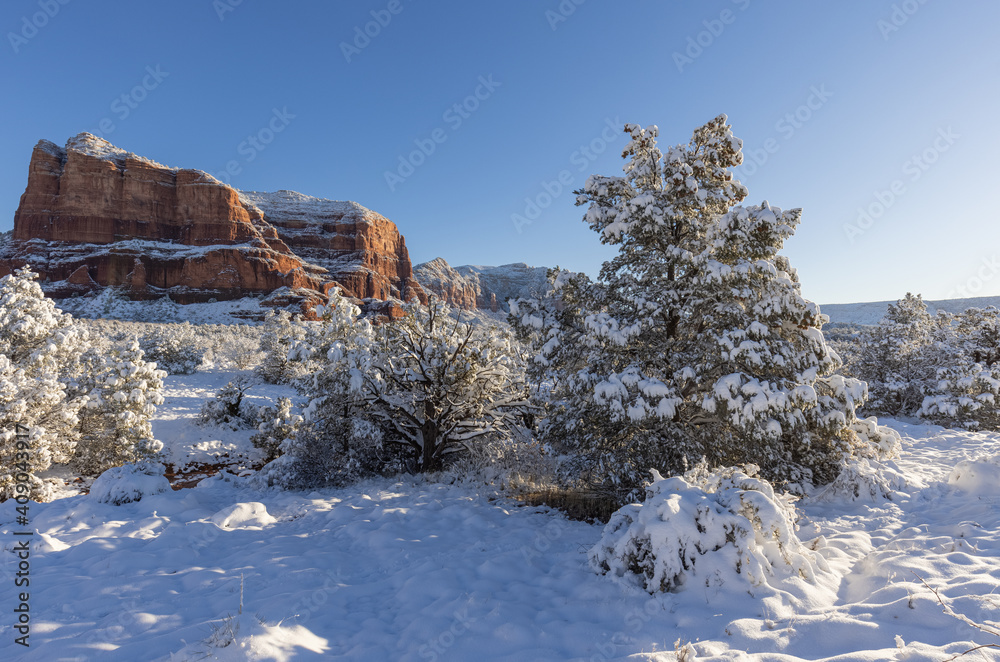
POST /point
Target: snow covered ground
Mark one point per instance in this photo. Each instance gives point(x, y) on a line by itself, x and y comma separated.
point(411, 570)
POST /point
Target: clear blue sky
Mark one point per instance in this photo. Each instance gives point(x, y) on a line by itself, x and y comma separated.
point(879, 97)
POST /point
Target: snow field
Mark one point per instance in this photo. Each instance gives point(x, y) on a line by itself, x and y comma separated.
point(412, 570)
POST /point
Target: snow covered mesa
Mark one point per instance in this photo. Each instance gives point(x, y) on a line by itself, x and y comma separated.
point(94, 215)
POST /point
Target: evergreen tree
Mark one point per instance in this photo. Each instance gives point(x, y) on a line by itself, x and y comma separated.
point(39, 346)
point(438, 385)
point(281, 332)
point(335, 442)
point(899, 356)
point(965, 390)
point(695, 341)
point(115, 423)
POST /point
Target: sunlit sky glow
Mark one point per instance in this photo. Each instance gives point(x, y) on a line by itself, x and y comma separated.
point(882, 106)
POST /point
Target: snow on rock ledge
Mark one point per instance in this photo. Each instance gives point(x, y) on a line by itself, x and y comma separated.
point(726, 529)
point(129, 483)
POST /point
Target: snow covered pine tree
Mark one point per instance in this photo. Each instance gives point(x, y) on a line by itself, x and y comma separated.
point(695, 340)
point(334, 443)
point(407, 394)
point(39, 346)
point(115, 423)
point(966, 392)
point(899, 357)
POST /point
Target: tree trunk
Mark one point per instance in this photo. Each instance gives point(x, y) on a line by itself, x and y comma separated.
point(429, 431)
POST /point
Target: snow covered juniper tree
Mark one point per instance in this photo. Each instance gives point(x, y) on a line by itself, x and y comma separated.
point(439, 385)
point(229, 408)
point(695, 341)
point(898, 357)
point(334, 443)
point(38, 350)
point(175, 348)
point(124, 390)
point(412, 394)
point(280, 333)
point(965, 392)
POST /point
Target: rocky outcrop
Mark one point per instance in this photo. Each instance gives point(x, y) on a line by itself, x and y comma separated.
point(441, 280)
point(483, 288)
point(361, 250)
point(94, 215)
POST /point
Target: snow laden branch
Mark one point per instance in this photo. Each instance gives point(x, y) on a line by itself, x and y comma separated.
point(441, 384)
point(412, 394)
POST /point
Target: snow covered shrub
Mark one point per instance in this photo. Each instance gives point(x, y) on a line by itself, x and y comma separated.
point(175, 348)
point(518, 464)
point(241, 350)
point(868, 476)
point(413, 394)
point(438, 385)
point(39, 357)
point(280, 333)
point(898, 357)
point(724, 528)
point(277, 424)
point(979, 477)
point(115, 424)
point(965, 396)
point(317, 456)
point(336, 443)
point(863, 479)
point(228, 407)
point(129, 482)
point(695, 341)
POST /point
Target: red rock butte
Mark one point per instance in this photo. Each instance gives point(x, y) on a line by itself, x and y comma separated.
point(94, 215)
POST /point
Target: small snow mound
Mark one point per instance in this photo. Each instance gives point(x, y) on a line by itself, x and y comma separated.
point(129, 483)
point(980, 476)
point(723, 528)
point(865, 480)
point(249, 639)
point(243, 516)
point(49, 543)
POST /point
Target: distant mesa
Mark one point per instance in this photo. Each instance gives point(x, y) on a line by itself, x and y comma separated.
point(484, 288)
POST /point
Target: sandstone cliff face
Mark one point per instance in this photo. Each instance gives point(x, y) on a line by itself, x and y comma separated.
point(362, 251)
point(94, 215)
point(441, 280)
point(484, 288)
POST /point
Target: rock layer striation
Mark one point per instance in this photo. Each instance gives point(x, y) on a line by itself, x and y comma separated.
point(93, 216)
